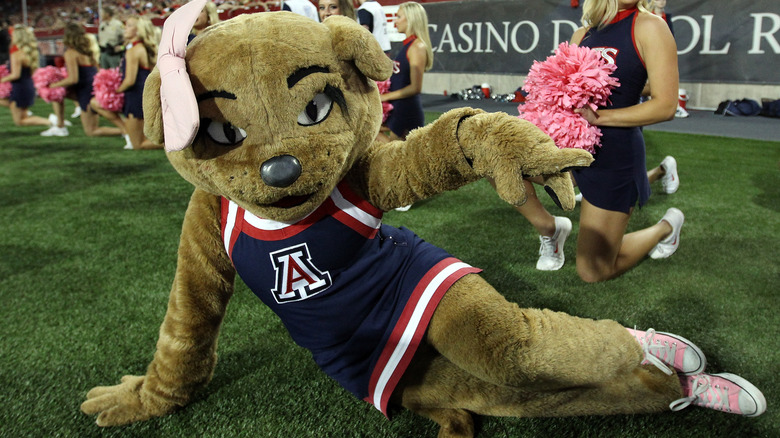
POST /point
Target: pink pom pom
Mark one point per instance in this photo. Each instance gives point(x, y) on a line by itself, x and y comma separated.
point(49, 75)
point(566, 128)
point(384, 87)
point(104, 85)
point(5, 87)
point(574, 77)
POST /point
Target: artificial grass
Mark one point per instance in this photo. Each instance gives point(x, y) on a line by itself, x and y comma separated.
point(88, 253)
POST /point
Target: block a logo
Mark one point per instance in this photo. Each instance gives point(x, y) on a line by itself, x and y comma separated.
point(296, 276)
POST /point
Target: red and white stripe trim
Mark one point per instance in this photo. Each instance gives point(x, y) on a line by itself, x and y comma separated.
point(410, 329)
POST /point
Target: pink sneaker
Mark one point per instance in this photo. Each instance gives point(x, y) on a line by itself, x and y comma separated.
point(666, 350)
point(722, 392)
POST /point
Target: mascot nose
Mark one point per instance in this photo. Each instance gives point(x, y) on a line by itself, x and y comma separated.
point(280, 171)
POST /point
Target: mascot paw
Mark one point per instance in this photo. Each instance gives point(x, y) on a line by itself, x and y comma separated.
point(121, 404)
point(508, 150)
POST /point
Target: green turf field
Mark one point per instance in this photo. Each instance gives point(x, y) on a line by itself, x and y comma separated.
point(88, 252)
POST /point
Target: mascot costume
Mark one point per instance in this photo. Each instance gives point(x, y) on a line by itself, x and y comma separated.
point(272, 118)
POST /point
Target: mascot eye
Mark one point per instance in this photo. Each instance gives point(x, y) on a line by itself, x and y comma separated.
point(316, 111)
point(225, 133)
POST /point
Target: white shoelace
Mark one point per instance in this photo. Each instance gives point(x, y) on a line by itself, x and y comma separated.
point(547, 248)
point(701, 385)
point(647, 343)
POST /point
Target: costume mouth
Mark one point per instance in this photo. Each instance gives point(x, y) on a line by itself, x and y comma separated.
point(291, 201)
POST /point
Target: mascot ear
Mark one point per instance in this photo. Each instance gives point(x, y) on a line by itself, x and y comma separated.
point(352, 42)
point(153, 121)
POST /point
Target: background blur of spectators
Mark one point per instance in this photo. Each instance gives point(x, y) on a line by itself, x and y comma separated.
point(53, 14)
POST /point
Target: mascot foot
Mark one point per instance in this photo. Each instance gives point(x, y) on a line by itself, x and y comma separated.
point(122, 404)
point(670, 352)
point(722, 392)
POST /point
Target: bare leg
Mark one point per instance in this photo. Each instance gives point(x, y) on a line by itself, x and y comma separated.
point(59, 111)
point(21, 118)
point(135, 129)
point(89, 121)
point(603, 251)
point(108, 115)
point(533, 210)
point(655, 174)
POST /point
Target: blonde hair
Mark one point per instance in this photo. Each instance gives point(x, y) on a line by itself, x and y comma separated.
point(24, 39)
point(598, 13)
point(211, 11)
point(417, 24)
point(149, 35)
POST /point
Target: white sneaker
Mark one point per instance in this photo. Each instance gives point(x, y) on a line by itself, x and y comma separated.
point(669, 245)
point(55, 131)
point(670, 181)
point(76, 112)
point(551, 256)
point(404, 208)
point(578, 197)
point(128, 143)
point(53, 120)
point(681, 113)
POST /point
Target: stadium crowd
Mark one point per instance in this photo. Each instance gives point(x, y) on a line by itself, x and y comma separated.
point(54, 14)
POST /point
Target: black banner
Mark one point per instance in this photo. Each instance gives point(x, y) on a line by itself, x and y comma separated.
point(723, 41)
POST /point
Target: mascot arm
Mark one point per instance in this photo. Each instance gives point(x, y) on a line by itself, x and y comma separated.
point(462, 146)
point(186, 349)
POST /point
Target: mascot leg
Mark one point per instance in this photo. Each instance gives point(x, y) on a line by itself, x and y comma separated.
point(435, 388)
point(476, 329)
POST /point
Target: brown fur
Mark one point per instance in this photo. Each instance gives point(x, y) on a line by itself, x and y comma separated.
point(482, 354)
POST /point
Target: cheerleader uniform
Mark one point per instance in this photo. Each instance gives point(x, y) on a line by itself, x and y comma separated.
point(134, 96)
point(83, 87)
point(357, 294)
point(23, 89)
point(617, 178)
point(407, 113)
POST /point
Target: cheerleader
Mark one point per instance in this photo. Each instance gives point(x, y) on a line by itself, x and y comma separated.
point(81, 61)
point(24, 61)
point(140, 57)
point(415, 58)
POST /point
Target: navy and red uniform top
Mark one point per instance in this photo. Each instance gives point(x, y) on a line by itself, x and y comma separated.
point(407, 113)
point(617, 178)
point(356, 293)
point(23, 88)
point(134, 96)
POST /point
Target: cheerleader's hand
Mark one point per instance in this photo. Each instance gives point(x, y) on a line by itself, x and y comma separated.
point(588, 114)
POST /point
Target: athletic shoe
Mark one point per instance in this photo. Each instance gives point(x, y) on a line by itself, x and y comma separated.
point(404, 208)
point(578, 197)
point(551, 256)
point(76, 112)
point(53, 120)
point(55, 131)
point(723, 392)
point(128, 143)
point(665, 350)
point(681, 113)
point(670, 181)
point(669, 245)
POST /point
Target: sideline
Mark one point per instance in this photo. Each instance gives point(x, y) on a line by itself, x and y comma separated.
point(699, 122)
